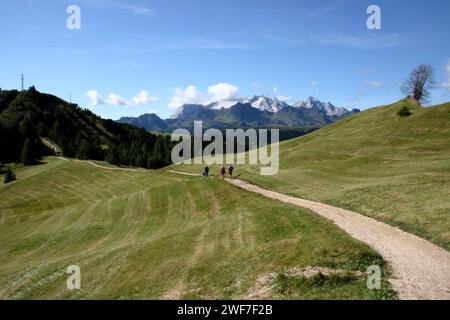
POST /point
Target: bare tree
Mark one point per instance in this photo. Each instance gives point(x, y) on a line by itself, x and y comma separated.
point(420, 83)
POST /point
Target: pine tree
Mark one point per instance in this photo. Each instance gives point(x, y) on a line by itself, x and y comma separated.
point(84, 150)
point(112, 156)
point(10, 176)
point(27, 156)
point(157, 159)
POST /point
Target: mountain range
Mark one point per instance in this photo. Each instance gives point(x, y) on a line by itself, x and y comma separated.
point(257, 111)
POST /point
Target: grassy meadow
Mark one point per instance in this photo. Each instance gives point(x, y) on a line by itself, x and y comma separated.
point(394, 169)
point(160, 235)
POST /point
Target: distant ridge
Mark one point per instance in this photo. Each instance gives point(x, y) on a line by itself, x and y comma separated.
point(257, 111)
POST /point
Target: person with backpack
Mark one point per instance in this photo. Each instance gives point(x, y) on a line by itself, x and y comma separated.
point(222, 172)
point(230, 171)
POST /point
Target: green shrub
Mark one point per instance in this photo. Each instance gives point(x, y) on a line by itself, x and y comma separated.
point(10, 176)
point(404, 112)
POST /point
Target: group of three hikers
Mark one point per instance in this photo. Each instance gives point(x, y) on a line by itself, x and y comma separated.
point(222, 171)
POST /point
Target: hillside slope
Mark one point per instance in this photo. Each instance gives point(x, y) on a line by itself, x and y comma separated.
point(394, 169)
point(28, 116)
point(141, 235)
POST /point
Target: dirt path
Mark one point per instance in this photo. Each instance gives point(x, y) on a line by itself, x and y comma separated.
point(104, 167)
point(51, 145)
point(421, 270)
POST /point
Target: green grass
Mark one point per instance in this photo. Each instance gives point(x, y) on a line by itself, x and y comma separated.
point(152, 235)
point(330, 287)
point(394, 169)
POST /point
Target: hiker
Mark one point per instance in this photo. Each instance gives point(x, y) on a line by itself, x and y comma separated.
point(230, 171)
point(222, 172)
point(206, 172)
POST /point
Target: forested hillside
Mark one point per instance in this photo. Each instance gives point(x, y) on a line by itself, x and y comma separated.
point(28, 116)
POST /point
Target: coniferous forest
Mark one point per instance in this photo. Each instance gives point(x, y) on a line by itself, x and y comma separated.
point(29, 116)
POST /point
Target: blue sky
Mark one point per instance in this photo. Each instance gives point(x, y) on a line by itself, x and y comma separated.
point(133, 56)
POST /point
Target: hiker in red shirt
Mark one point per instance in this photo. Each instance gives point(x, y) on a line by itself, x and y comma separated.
point(222, 172)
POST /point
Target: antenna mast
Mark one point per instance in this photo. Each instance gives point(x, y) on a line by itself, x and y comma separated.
point(22, 80)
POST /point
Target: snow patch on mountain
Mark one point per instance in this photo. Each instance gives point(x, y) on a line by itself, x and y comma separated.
point(274, 105)
point(327, 107)
point(264, 103)
point(222, 104)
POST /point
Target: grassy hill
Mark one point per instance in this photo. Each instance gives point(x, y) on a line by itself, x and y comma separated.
point(155, 234)
point(395, 169)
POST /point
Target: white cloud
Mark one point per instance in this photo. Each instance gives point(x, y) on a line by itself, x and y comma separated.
point(447, 84)
point(280, 96)
point(284, 98)
point(153, 111)
point(142, 98)
point(142, 11)
point(275, 90)
point(373, 83)
point(370, 41)
point(120, 5)
point(283, 40)
point(190, 95)
point(324, 10)
point(314, 83)
point(215, 93)
point(258, 86)
point(147, 44)
point(95, 97)
point(115, 100)
point(223, 92)
point(359, 95)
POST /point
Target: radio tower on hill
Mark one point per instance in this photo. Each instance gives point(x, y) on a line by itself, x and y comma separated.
point(22, 80)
